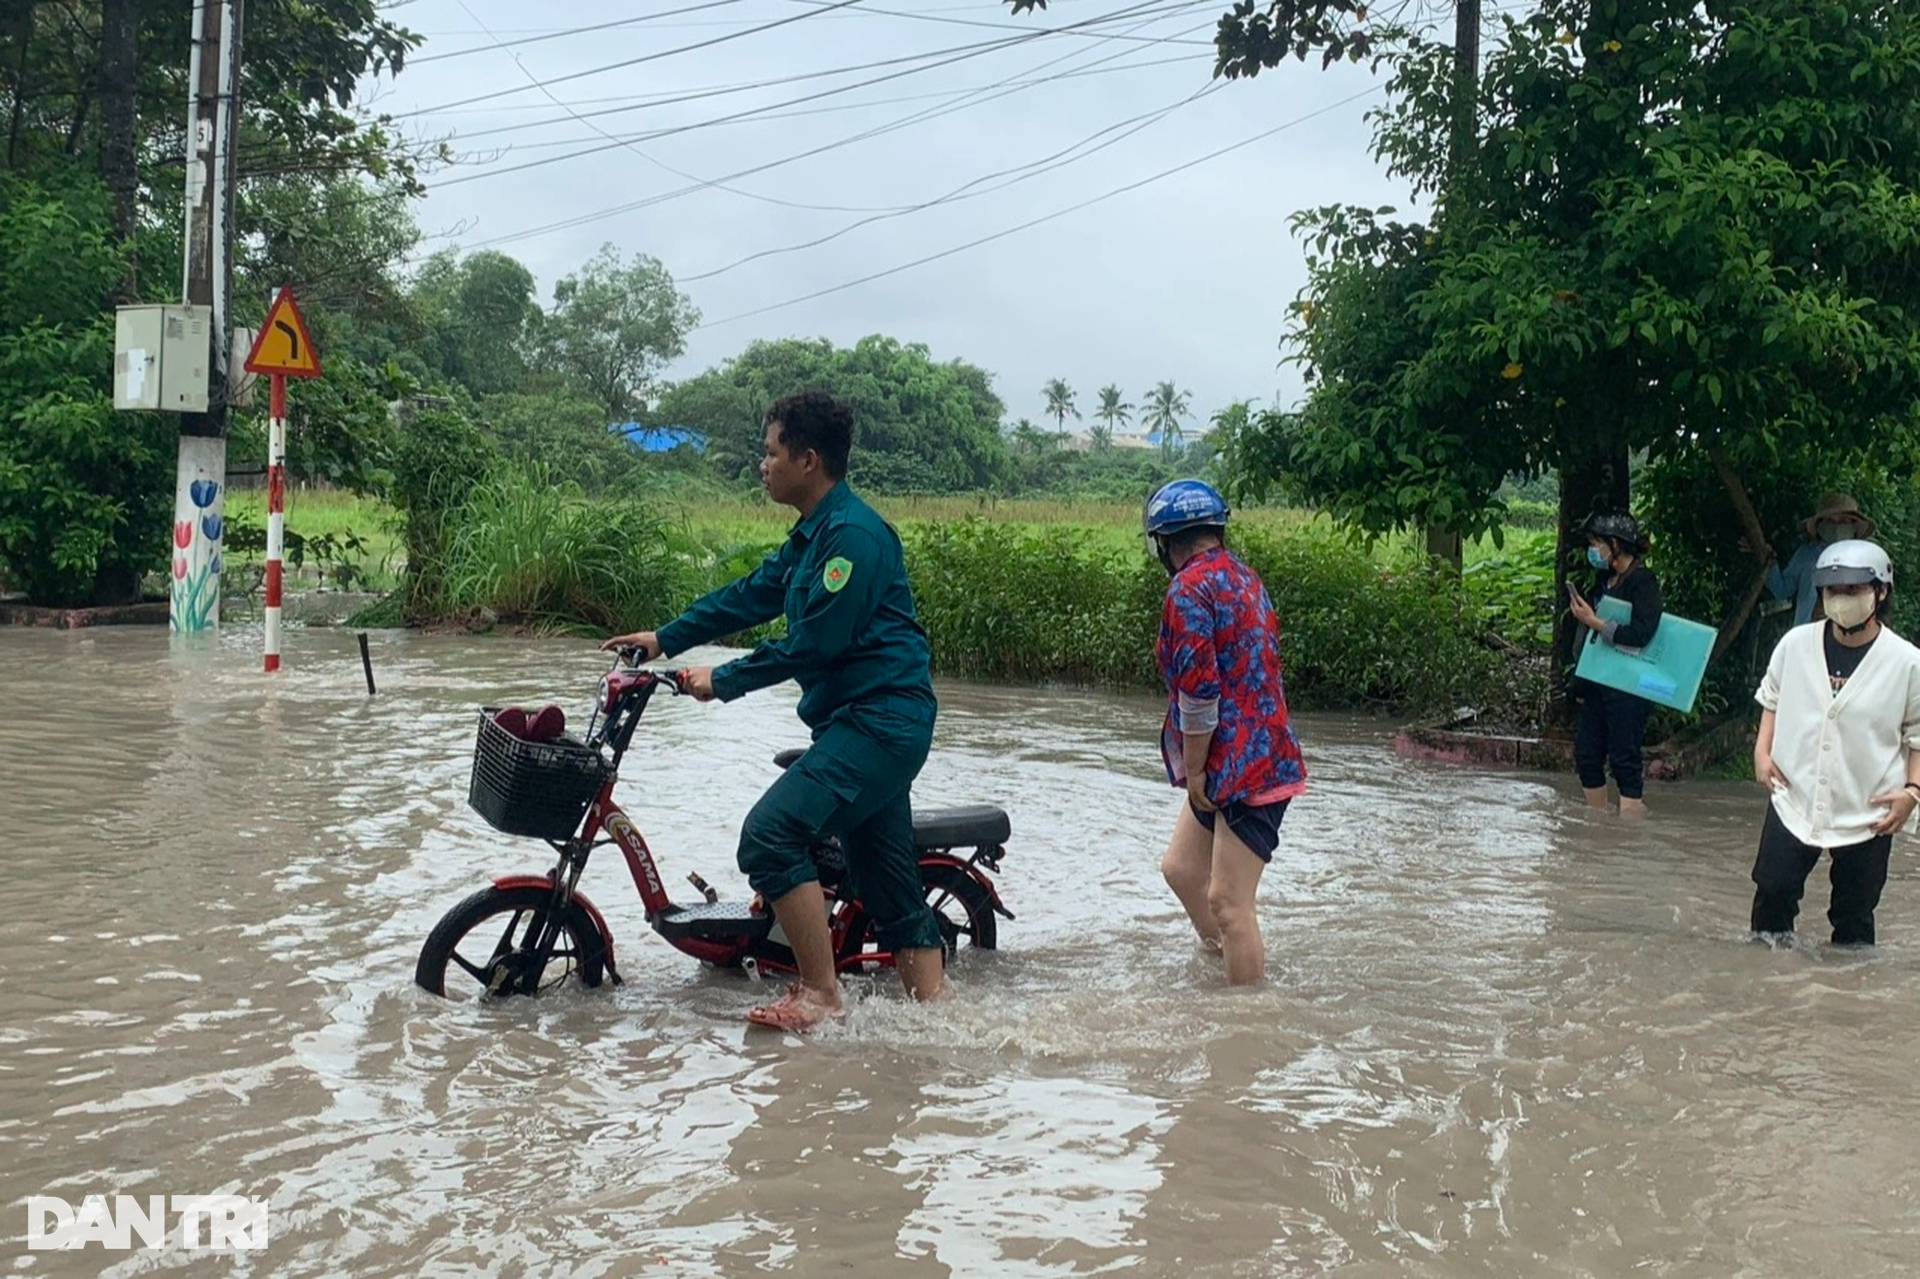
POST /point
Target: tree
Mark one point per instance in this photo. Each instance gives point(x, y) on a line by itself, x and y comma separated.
point(614, 326)
point(120, 118)
point(1165, 409)
point(105, 80)
point(565, 438)
point(338, 242)
point(1031, 440)
point(1113, 410)
point(1059, 404)
point(1691, 239)
point(943, 416)
point(478, 318)
point(91, 95)
point(85, 492)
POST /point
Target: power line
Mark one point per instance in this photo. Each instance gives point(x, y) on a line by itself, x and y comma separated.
point(980, 22)
point(693, 95)
point(870, 103)
point(896, 210)
point(680, 173)
point(1059, 213)
point(566, 31)
point(696, 95)
point(650, 57)
point(977, 51)
point(1143, 14)
point(1032, 169)
point(973, 7)
point(920, 15)
point(566, 224)
point(1036, 34)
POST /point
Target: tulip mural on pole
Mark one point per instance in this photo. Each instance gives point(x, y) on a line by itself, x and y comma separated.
point(200, 520)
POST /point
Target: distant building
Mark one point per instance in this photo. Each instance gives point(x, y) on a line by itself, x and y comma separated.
point(1152, 439)
point(660, 439)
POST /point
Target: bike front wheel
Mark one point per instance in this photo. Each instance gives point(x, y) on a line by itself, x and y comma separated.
point(487, 945)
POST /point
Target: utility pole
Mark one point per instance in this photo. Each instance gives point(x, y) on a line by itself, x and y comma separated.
point(1445, 544)
point(213, 87)
point(1466, 75)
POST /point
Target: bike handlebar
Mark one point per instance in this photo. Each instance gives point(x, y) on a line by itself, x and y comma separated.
point(633, 655)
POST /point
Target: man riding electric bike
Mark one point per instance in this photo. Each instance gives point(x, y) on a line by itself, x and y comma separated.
point(861, 658)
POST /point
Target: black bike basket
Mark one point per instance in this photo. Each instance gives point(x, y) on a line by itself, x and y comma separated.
point(541, 789)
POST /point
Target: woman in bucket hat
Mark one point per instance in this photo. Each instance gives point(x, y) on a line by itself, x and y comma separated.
point(1836, 518)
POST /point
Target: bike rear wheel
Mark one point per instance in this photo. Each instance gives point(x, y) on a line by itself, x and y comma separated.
point(962, 908)
point(500, 959)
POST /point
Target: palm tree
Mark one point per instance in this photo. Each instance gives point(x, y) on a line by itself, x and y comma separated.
point(1164, 409)
point(1028, 438)
point(1111, 410)
point(1059, 402)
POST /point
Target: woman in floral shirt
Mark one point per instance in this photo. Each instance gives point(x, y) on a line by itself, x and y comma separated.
point(1226, 739)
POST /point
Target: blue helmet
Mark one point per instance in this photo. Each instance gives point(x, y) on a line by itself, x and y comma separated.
point(1185, 504)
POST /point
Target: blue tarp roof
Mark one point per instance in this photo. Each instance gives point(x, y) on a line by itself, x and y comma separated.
point(659, 439)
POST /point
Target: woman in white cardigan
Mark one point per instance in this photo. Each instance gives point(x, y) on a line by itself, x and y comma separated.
point(1839, 747)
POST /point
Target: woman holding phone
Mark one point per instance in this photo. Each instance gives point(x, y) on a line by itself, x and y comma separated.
point(1610, 729)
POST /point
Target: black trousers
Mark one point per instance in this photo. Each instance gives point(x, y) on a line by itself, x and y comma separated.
point(1610, 730)
point(1858, 873)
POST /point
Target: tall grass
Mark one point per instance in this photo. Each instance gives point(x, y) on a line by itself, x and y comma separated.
point(1011, 603)
point(541, 553)
point(1033, 600)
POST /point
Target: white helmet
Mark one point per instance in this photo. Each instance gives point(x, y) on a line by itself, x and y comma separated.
point(1852, 563)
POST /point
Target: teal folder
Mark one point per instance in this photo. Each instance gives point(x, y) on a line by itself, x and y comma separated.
point(1667, 671)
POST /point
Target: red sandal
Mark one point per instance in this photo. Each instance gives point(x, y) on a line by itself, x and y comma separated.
point(799, 1010)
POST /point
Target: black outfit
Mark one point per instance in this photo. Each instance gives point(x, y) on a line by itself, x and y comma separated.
point(1842, 660)
point(1611, 726)
point(1858, 872)
point(1257, 825)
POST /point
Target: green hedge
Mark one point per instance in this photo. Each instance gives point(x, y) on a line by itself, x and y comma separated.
point(1008, 602)
point(1020, 604)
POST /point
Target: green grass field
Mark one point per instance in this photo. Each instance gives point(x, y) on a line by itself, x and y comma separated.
point(730, 521)
point(317, 513)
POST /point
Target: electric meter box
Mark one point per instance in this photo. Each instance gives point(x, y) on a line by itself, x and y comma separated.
point(160, 357)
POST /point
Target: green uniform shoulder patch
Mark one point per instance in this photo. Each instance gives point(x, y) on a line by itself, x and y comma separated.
point(837, 573)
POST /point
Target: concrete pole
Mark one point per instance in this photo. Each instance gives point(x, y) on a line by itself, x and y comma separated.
point(200, 473)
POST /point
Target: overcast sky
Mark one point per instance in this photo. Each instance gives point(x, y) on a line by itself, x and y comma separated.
point(1187, 277)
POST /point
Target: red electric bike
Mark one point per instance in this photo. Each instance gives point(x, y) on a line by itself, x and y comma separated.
point(526, 934)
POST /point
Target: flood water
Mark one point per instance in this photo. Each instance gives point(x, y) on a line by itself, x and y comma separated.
point(1499, 1037)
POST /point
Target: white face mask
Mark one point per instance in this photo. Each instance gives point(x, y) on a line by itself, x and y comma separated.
point(1849, 610)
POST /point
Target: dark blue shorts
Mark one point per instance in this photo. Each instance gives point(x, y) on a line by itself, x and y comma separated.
point(1257, 825)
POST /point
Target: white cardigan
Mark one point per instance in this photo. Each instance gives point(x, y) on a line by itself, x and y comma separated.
point(1838, 752)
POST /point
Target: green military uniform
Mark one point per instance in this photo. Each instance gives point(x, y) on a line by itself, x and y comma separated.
point(861, 659)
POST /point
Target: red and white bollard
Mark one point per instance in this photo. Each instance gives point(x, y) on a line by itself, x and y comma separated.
point(282, 349)
point(276, 514)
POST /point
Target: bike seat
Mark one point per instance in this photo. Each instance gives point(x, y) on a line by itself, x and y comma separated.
point(968, 826)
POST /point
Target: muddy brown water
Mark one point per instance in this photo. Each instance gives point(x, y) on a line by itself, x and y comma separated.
point(1500, 1037)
